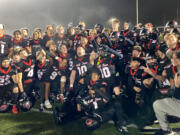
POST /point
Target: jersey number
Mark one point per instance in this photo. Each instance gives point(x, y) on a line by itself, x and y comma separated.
point(40, 75)
point(105, 72)
point(70, 65)
point(53, 75)
point(30, 73)
point(1, 80)
point(82, 70)
point(166, 83)
point(2, 49)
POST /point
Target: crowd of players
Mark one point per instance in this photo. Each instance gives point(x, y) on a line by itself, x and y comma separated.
point(101, 73)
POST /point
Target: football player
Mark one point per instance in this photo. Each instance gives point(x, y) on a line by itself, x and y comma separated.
point(5, 43)
point(35, 44)
point(8, 84)
point(60, 36)
point(18, 42)
point(26, 71)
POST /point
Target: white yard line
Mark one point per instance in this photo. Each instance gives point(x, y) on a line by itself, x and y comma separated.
point(37, 110)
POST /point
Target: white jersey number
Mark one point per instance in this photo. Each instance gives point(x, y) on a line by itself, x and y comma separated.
point(30, 73)
point(53, 75)
point(82, 70)
point(105, 72)
point(2, 48)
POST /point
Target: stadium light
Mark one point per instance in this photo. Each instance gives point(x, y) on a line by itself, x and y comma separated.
point(177, 10)
point(111, 20)
point(137, 12)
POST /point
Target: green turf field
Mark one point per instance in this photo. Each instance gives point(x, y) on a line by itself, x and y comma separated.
point(38, 123)
point(34, 123)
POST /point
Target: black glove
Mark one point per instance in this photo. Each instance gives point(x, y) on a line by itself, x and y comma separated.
point(23, 96)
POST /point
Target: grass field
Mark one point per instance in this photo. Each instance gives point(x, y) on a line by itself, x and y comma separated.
point(38, 123)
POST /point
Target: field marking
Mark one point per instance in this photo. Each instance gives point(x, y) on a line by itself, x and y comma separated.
point(37, 110)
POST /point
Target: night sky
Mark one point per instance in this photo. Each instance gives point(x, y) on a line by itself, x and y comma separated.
point(16, 14)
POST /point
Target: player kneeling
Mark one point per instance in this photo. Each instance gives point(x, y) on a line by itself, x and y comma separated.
point(98, 105)
point(8, 87)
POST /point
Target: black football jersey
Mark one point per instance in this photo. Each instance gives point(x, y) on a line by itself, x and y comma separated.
point(71, 58)
point(164, 63)
point(118, 47)
point(127, 47)
point(22, 43)
point(156, 69)
point(46, 38)
point(95, 85)
point(165, 86)
point(127, 33)
point(59, 41)
point(66, 65)
point(5, 45)
point(77, 40)
point(6, 74)
point(149, 45)
point(96, 101)
point(43, 71)
point(81, 66)
point(89, 48)
point(55, 73)
point(104, 64)
point(171, 71)
point(36, 46)
point(135, 77)
point(27, 67)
